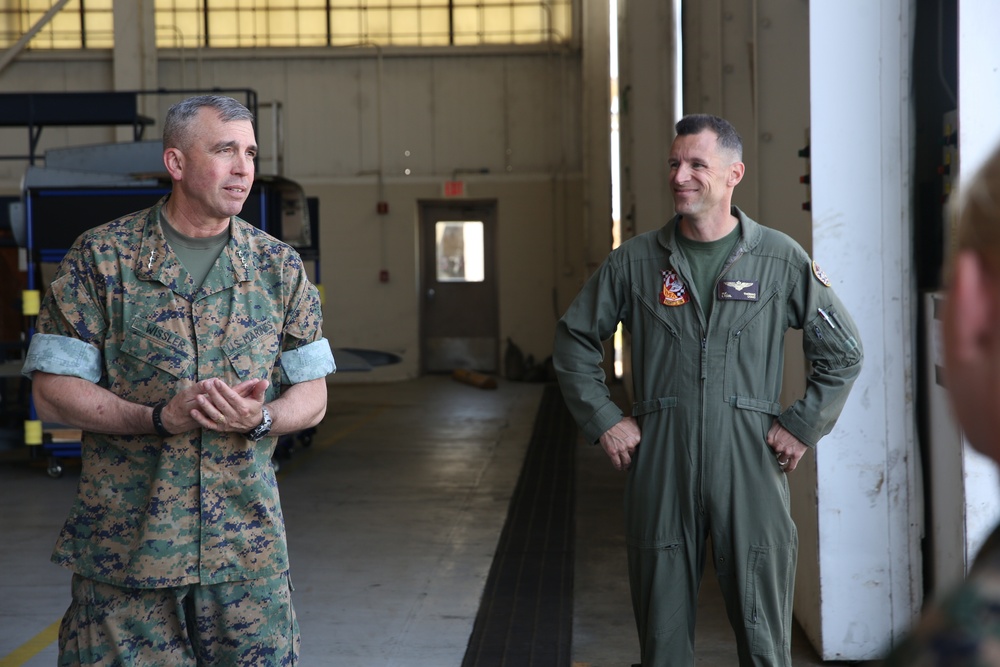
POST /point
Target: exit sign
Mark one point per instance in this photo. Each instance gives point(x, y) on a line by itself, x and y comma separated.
point(454, 188)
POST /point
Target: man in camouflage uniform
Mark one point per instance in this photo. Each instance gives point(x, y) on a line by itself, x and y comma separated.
point(962, 627)
point(181, 340)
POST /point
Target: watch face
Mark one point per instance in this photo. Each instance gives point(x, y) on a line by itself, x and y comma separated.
point(263, 428)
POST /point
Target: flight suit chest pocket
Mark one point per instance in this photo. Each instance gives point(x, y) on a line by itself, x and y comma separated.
point(754, 348)
point(253, 350)
point(154, 344)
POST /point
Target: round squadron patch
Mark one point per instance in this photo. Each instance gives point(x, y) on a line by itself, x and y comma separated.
point(675, 292)
point(820, 276)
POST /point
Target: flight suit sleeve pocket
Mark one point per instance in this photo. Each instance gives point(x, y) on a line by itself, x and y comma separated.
point(151, 343)
point(653, 405)
point(831, 340)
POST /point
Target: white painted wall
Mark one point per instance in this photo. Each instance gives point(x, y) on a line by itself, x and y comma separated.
point(867, 587)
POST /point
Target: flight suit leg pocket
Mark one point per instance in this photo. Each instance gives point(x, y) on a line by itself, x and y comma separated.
point(767, 601)
point(664, 599)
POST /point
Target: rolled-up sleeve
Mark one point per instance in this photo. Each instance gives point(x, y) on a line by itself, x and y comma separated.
point(62, 355)
point(309, 362)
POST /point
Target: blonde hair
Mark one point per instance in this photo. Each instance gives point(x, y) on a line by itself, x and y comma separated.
point(975, 215)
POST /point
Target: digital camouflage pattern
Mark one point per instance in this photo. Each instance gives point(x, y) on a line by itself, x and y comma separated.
point(963, 629)
point(246, 624)
point(202, 506)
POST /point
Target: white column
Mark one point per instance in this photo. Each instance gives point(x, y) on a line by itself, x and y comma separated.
point(867, 584)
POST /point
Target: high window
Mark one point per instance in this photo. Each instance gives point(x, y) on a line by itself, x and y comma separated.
point(87, 24)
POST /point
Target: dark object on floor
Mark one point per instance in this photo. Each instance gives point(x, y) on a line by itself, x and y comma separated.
point(513, 362)
point(475, 379)
point(526, 614)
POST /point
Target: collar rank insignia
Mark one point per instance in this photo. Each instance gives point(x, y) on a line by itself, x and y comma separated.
point(675, 292)
point(820, 275)
point(738, 290)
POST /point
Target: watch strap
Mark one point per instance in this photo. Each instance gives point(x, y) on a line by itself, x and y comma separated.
point(158, 426)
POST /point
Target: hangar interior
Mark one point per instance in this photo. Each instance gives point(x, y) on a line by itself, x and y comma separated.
point(402, 124)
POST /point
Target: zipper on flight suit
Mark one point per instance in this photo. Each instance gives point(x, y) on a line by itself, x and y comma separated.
point(707, 327)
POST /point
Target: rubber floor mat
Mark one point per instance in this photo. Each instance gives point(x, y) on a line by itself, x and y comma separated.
point(525, 618)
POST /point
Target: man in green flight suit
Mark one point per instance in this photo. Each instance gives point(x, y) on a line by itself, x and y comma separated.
point(707, 299)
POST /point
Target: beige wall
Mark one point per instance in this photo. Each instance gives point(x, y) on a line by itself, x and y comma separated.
point(511, 116)
point(536, 243)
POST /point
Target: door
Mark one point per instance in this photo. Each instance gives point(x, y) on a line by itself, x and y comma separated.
point(459, 313)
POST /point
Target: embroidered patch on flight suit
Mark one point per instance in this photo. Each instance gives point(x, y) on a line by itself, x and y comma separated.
point(820, 276)
point(675, 292)
point(738, 290)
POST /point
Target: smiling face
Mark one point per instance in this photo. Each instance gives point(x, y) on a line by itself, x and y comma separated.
point(212, 173)
point(702, 176)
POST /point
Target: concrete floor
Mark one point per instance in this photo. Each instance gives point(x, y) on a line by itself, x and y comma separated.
point(393, 516)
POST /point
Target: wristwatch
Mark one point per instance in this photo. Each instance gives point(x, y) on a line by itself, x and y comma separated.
point(263, 428)
point(158, 426)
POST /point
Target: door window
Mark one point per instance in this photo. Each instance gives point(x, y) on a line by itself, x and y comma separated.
point(461, 253)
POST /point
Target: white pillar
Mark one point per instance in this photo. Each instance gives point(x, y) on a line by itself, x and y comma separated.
point(867, 584)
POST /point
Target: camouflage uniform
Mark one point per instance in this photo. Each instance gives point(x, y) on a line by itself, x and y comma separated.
point(199, 507)
point(963, 630)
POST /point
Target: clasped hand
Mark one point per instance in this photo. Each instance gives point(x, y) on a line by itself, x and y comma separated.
point(212, 404)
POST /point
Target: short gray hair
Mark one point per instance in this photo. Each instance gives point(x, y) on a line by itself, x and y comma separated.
point(728, 138)
point(180, 115)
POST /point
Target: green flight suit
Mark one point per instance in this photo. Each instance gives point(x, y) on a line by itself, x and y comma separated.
point(706, 394)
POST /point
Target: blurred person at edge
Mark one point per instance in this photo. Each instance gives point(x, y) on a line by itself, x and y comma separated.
point(962, 626)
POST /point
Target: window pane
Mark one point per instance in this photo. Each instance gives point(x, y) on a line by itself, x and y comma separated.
point(345, 27)
point(62, 32)
point(434, 27)
point(378, 24)
point(180, 29)
point(497, 24)
point(466, 25)
point(460, 252)
point(222, 26)
point(405, 26)
point(561, 22)
point(277, 28)
point(291, 23)
point(529, 25)
point(312, 27)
